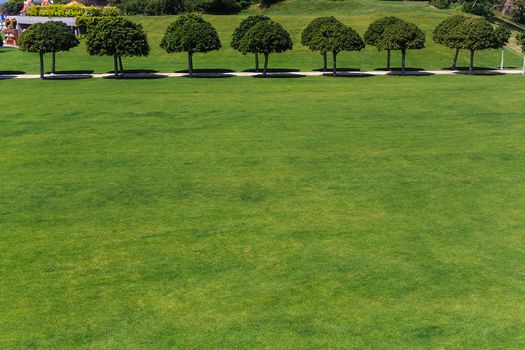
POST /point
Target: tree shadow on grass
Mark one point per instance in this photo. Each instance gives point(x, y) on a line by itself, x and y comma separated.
point(347, 74)
point(273, 70)
point(475, 69)
point(410, 73)
point(78, 71)
point(136, 76)
point(396, 69)
point(209, 76)
point(68, 76)
point(479, 72)
point(338, 69)
point(207, 71)
point(508, 25)
point(278, 75)
point(135, 71)
point(145, 71)
point(11, 72)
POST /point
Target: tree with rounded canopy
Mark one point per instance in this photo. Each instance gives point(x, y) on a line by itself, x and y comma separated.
point(266, 37)
point(190, 33)
point(49, 37)
point(520, 39)
point(35, 39)
point(313, 28)
point(243, 27)
point(502, 39)
point(476, 34)
point(375, 31)
point(446, 34)
point(117, 37)
point(403, 36)
point(63, 39)
point(336, 37)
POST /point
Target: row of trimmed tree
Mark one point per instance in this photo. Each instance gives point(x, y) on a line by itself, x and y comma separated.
point(260, 35)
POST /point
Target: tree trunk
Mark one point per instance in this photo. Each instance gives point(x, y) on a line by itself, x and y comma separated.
point(455, 62)
point(334, 67)
point(502, 58)
point(403, 61)
point(256, 62)
point(53, 64)
point(471, 67)
point(325, 61)
point(190, 63)
point(265, 72)
point(41, 65)
point(121, 67)
point(523, 69)
point(388, 59)
point(115, 65)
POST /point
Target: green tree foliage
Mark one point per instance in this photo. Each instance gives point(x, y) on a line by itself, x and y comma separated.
point(190, 33)
point(403, 36)
point(12, 7)
point(446, 33)
point(477, 34)
point(266, 37)
point(217, 6)
point(171, 7)
point(335, 37)
point(515, 9)
point(117, 37)
point(35, 39)
point(245, 25)
point(484, 8)
point(375, 31)
point(268, 3)
point(49, 37)
point(313, 28)
point(520, 39)
point(502, 39)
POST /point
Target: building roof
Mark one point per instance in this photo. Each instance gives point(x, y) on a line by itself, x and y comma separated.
point(70, 21)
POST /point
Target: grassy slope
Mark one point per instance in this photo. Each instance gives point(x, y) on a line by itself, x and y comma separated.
point(248, 213)
point(294, 15)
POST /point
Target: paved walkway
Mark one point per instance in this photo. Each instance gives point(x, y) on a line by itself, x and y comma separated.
point(252, 74)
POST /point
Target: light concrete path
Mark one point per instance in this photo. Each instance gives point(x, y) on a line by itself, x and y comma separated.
point(252, 74)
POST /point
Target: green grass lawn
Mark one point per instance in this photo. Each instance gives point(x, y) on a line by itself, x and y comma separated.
point(295, 16)
point(244, 213)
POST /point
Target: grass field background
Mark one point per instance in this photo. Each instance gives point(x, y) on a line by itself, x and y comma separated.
point(295, 16)
point(348, 213)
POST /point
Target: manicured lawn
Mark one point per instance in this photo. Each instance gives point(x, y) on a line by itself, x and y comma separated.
point(295, 16)
point(349, 213)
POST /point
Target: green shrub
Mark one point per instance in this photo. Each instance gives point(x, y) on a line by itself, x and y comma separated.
point(517, 11)
point(77, 10)
point(268, 3)
point(152, 7)
point(479, 8)
point(218, 6)
point(12, 7)
point(441, 4)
